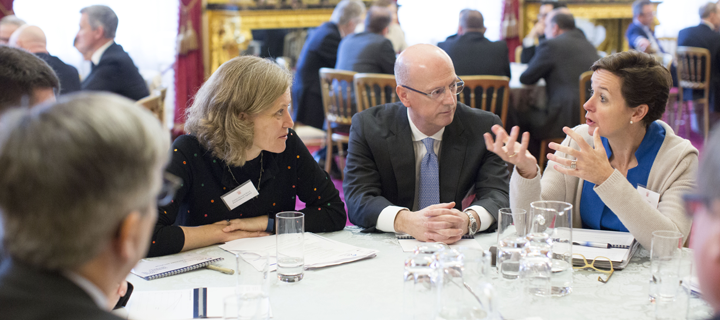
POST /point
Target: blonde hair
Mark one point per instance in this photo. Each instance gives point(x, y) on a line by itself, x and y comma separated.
point(244, 85)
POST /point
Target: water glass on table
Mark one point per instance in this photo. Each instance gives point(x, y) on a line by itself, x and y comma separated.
point(512, 229)
point(289, 229)
point(551, 223)
point(420, 288)
point(245, 306)
point(665, 264)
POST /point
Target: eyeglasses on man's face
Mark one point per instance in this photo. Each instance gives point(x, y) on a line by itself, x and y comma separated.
point(438, 93)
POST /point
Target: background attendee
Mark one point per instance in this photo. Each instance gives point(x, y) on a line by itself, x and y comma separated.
point(411, 163)
point(395, 32)
point(239, 133)
point(369, 51)
point(73, 227)
point(32, 39)
point(560, 60)
point(472, 53)
point(537, 33)
point(8, 25)
point(639, 35)
point(705, 36)
point(623, 147)
point(320, 51)
point(112, 68)
point(25, 79)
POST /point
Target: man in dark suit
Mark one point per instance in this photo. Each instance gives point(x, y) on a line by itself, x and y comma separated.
point(472, 53)
point(705, 36)
point(112, 68)
point(410, 164)
point(638, 34)
point(369, 51)
point(68, 240)
point(320, 51)
point(537, 33)
point(32, 39)
point(25, 80)
point(560, 60)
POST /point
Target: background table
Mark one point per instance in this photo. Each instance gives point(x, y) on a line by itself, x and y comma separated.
point(372, 288)
point(523, 98)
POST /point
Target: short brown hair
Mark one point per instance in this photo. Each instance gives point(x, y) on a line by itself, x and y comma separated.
point(243, 85)
point(22, 72)
point(377, 19)
point(644, 81)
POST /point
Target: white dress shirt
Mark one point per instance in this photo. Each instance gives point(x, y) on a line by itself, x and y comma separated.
point(386, 219)
point(90, 288)
point(95, 58)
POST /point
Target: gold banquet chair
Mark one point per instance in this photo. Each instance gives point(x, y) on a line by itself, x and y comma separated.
point(485, 83)
point(155, 104)
point(365, 94)
point(693, 72)
point(336, 86)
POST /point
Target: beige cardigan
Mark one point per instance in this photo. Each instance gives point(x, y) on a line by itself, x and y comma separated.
point(672, 175)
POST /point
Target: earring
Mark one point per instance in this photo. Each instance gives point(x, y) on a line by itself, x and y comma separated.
point(631, 122)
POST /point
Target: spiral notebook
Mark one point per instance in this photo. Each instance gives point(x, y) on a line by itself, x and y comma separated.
point(154, 268)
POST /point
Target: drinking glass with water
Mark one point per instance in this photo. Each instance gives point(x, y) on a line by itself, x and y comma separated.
point(290, 228)
point(512, 229)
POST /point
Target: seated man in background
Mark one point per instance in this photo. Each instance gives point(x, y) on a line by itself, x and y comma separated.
point(369, 51)
point(25, 79)
point(410, 164)
point(638, 33)
point(472, 53)
point(395, 32)
point(32, 39)
point(537, 33)
point(70, 237)
point(112, 68)
point(8, 25)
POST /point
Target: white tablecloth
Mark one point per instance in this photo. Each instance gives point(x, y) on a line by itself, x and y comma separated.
point(372, 289)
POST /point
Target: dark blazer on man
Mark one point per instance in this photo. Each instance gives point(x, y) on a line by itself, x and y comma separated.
point(528, 53)
point(68, 75)
point(116, 73)
point(30, 294)
point(320, 51)
point(473, 54)
point(702, 36)
point(380, 168)
point(366, 52)
point(560, 61)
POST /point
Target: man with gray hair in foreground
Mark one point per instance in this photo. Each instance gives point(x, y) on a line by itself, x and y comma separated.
point(81, 180)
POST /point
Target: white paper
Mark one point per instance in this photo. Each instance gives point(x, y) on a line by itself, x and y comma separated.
point(409, 245)
point(160, 305)
point(604, 236)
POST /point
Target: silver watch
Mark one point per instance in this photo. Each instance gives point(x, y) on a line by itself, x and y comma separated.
point(472, 223)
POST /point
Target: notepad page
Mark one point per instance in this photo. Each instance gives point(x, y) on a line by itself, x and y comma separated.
point(612, 237)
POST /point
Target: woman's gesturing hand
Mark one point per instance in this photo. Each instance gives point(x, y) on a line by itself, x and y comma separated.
point(507, 147)
point(592, 163)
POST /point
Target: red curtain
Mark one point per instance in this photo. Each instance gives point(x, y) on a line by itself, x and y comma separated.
point(189, 70)
point(509, 27)
point(6, 8)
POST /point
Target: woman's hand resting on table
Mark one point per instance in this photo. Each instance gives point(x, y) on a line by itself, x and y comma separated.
point(507, 147)
point(244, 228)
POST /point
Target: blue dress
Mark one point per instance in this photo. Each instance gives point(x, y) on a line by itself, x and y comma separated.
point(593, 211)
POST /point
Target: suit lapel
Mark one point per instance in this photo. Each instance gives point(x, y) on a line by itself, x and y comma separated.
point(452, 157)
point(402, 157)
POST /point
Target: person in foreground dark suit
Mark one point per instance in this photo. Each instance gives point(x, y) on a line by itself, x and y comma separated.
point(560, 60)
point(320, 51)
point(74, 227)
point(410, 164)
point(112, 68)
point(369, 51)
point(472, 53)
point(705, 36)
point(25, 79)
point(32, 39)
point(537, 33)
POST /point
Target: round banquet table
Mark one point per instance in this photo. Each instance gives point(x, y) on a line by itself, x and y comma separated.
point(372, 288)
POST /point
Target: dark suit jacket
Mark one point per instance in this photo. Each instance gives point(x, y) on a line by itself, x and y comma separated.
point(320, 51)
point(31, 294)
point(560, 61)
point(67, 74)
point(703, 37)
point(528, 53)
point(366, 52)
point(380, 168)
point(473, 54)
point(116, 73)
point(634, 31)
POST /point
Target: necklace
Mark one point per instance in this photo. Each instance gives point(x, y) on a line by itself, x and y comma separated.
point(262, 168)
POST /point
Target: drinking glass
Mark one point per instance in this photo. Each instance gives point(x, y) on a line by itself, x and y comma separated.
point(247, 306)
point(420, 287)
point(677, 305)
point(512, 229)
point(290, 227)
point(551, 223)
point(455, 298)
point(252, 288)
point(665, 264)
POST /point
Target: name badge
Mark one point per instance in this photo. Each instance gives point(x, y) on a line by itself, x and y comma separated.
point(652, 197)
point(239, 195)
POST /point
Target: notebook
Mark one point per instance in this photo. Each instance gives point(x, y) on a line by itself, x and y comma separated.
point(153, 268)
point(408, 242)
point(623, 247)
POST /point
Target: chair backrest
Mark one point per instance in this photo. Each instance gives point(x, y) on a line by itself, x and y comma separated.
point(518, 53)
point(693, 68)
point(337, 87)
point(499, 84)
point(155, 104)
point(669, 44)
point(584, 90)
point(371, 89)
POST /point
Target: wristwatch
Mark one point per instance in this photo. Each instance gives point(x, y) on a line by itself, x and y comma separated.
point(472, 223)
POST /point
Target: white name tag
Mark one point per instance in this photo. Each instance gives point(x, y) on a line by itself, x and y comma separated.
point(652, 197)
point(239, 195)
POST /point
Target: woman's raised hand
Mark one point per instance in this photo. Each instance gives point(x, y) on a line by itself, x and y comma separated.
point(507, 147)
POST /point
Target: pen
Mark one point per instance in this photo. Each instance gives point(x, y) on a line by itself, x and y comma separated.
point(221, 269)
point(599, 245)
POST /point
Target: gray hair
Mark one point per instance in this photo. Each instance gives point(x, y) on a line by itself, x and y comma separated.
point(71, 172)
point(637, 7)
point(12, 19)
point(709, 177)
point(102, 16)
point(707, 9)
point(346, 11)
